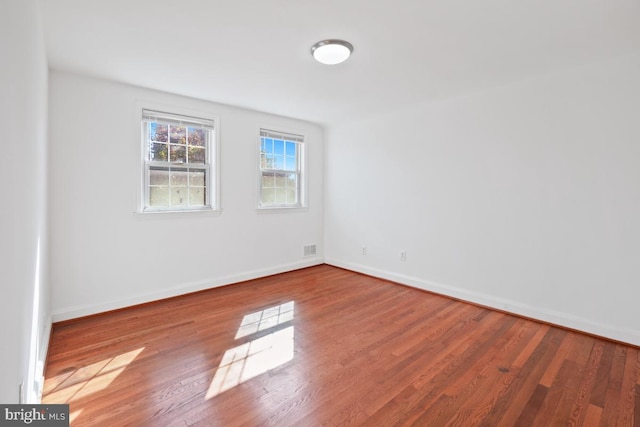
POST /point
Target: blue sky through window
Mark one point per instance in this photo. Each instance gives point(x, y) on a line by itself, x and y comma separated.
point(278, 147)
point(279, 154)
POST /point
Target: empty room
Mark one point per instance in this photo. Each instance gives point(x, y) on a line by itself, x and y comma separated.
point(339, 213)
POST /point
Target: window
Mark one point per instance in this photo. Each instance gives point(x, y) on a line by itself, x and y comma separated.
point(280, 169)
point(177, 162)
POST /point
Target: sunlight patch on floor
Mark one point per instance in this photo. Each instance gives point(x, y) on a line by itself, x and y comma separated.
point(75, 414)
point(253, 358)
point(72, 386)
point(265, 319)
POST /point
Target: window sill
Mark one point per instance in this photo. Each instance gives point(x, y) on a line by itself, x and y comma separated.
point(281, 209)
point(177, 213)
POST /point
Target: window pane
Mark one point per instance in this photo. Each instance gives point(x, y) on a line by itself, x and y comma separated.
point(270, 162)
point(158, 152)
point(281, 181)
point(292, 180)
point(291, 196)
point(158, 132)
point(178, 134)
point(179, 178)
point(290, 149)
point(158, 196)
point(268, 145)
point(197, 137)
point(290, 163)
point(268, 180)
point(278, 162)
point(196, 178)
point(196, 196)
point(159, 176)
point(178, 154)
point(268, 196)
point(179, 196)
point(281, 196)
point(196, 155)
point(278, 146)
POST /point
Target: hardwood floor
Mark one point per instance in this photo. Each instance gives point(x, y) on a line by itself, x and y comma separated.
point(324, 346)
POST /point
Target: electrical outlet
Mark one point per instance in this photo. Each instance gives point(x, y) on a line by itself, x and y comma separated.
point(403, 255)
point(364, 250)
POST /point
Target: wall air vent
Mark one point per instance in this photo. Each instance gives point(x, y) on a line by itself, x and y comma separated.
point(310, 250)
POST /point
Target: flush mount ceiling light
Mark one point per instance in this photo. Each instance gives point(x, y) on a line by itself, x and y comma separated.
point(331, 52)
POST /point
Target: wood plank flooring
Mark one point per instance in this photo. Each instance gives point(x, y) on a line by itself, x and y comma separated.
point(325, 346)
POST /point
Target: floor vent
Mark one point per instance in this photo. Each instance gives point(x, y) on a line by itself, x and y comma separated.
point(310, 250)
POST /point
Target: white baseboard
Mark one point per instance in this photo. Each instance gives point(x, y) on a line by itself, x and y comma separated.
point(625, 335)
point(185, 288)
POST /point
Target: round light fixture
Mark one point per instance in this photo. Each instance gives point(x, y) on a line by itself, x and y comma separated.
point(331, 52)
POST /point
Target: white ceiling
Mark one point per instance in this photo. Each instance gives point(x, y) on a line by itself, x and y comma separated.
point(255, 53)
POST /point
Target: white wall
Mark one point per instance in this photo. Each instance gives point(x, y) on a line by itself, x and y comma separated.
point(24, 306)
point(524, 197)
point(105, 256)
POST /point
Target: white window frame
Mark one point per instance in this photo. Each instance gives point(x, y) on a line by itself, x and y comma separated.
point(187, 117)
point(292, 135)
